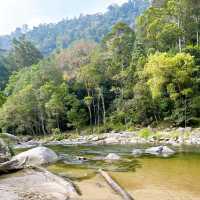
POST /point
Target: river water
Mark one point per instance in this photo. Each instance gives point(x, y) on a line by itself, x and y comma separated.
point(145, 178)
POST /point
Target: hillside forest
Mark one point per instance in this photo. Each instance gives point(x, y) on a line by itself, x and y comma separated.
point(136, 65)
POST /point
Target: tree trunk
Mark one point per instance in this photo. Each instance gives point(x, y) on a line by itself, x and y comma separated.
point(104, 110)
point(185, 102)
point(90, 113)
point(197, 21)
point(98, 112)
point(42, 124)
point(116, 187)
point(179, 39)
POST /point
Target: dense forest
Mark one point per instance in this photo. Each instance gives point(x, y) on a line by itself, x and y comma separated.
point(138, 75)
point(49, 37)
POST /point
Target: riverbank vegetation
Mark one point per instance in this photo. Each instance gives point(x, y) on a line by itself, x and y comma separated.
point(137, 76)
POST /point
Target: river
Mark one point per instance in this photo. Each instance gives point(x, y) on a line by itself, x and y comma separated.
point(145, 178)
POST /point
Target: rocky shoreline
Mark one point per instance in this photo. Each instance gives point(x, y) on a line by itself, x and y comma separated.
point(180, 136)
point(174, 137)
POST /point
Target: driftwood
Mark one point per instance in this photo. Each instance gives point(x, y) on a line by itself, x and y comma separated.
point(115, 186)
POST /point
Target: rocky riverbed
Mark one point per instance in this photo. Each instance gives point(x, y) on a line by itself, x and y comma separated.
point(174, 137)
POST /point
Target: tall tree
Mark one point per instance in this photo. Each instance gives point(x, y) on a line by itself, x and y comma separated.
point(173, 77)
point(23, 54)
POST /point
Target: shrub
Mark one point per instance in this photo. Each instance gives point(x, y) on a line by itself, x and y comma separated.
point(145, 133)
point(56, 131)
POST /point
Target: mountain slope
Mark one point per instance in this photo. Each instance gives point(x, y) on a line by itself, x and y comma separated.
point(48, 37)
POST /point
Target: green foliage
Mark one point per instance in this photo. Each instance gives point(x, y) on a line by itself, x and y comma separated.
point(170, 25)
point(194, 51)
point(2, 98)
point(57, 135)
point(23, 54)
point(3, 73)
point(145, 133)
point(173, 77)
point(56, 131)
point(77, 115)
point(168, 72)
point(37, 104)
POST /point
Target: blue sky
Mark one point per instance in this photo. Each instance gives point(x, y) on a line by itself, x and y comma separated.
point(15, 13)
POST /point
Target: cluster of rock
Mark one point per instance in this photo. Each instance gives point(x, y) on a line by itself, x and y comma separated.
point(163, 151)
point(32, 181)
point(169, 136)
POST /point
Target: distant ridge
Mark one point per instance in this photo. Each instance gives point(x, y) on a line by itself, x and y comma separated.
point(48, 37)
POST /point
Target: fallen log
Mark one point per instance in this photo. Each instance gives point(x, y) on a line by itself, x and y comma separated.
point(115, 186)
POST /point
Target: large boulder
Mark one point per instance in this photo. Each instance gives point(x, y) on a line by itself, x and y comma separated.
point(112, 156)
point(160, 150)
point(37, 156)
point(34, 185)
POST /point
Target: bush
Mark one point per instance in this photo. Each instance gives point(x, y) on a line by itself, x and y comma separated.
point(59, 137)
point(145, 133)
point(56, 131)
point(175, 135)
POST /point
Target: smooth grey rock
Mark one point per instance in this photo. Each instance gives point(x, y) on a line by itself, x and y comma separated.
point(37, 156)
point(167, 150)
point(160, 150)
point(112, 156)
point(31, 184)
